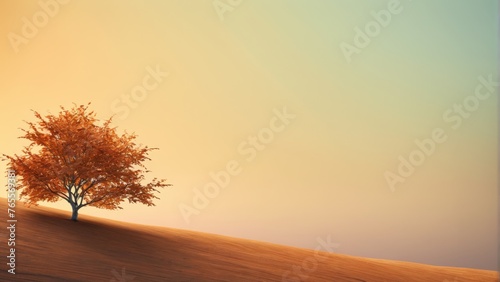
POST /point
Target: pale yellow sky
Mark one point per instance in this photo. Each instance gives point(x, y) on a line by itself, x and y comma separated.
point(319, 173)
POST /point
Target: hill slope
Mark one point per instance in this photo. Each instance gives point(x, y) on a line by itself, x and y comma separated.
point(49, 247)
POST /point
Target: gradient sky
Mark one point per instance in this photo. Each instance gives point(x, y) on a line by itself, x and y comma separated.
point(323, 174)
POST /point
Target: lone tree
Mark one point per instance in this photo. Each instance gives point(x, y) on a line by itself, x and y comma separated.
point(72, 157)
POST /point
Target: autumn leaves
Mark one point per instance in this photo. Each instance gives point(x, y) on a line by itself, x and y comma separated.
point(74, 157)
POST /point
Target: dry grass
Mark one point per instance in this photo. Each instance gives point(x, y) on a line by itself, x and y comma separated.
point(52, 248)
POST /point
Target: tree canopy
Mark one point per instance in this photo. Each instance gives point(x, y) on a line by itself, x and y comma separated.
point(73, 157)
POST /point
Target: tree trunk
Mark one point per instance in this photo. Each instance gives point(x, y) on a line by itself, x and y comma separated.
point(74, 216)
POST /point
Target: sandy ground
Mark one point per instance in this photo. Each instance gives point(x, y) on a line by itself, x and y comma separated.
point(50, 247)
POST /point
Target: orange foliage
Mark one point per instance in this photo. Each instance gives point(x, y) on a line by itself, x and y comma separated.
point(72, 157)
